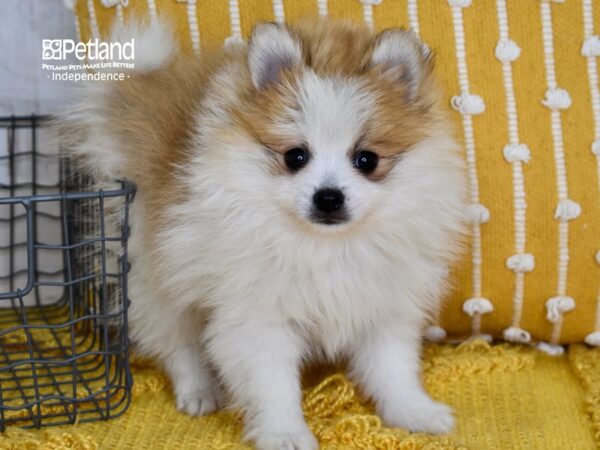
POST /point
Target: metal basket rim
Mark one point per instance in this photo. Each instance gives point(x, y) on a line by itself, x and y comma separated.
point(128, 188)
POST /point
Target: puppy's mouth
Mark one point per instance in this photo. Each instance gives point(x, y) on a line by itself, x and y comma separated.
point(333, 218)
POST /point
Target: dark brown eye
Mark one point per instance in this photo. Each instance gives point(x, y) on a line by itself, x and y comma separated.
point(296, 158)
point(366, 161)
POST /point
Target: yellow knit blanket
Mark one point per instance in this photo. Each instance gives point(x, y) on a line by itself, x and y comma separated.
point(505, 397)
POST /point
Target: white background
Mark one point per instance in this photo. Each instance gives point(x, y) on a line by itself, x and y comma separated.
point(24, 88)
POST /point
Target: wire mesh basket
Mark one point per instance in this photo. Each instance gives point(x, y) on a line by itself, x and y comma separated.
point(63, 286)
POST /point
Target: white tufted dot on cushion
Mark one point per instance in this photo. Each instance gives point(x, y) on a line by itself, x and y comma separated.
point(591, 46)
point(460, 3)
point(468, 104)
point(111, 3)
point(521, 262)
point(516, 334)
point(516, 152)
point(551, 349)
point(507, 50)
point(435, 333)
point(567, 209)
point(477, 305)
point(557, 99)
point(593, 339)
point(478, 213)
point(558, 305)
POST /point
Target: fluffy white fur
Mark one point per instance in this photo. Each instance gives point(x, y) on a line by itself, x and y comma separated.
point(248, 288)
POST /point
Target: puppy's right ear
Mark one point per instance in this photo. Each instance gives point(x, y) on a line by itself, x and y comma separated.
point(273, 49)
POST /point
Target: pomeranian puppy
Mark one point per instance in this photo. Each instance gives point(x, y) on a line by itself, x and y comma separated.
point(299, 198)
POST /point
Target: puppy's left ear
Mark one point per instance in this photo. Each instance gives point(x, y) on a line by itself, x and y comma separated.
point(401, 57)
point(273, 49)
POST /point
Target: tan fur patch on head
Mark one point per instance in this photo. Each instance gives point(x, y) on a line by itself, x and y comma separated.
point(397, 125)
point(331, 48)
point(343, 50)
point(263, 110)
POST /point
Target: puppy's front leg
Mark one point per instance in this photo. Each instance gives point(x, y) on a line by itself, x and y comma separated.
point(386, 364)
point(258, 356)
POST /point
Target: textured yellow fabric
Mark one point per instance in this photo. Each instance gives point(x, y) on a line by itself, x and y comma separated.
point(479, 23)
point(505, 397)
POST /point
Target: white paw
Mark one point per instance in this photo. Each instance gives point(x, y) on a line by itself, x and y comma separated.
point(423, 416)
point(196, 391)
point(197, 402)
point(301, 440)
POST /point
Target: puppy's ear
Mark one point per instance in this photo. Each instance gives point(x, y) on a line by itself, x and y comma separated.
point(401, 57)
point(272, 49)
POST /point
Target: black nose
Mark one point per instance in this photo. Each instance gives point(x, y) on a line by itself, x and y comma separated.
point(328, 200)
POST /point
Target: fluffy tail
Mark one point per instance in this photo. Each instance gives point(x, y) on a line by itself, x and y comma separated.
point(112, 125)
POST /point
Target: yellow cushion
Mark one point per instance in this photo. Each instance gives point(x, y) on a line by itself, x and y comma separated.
point(556, 132)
